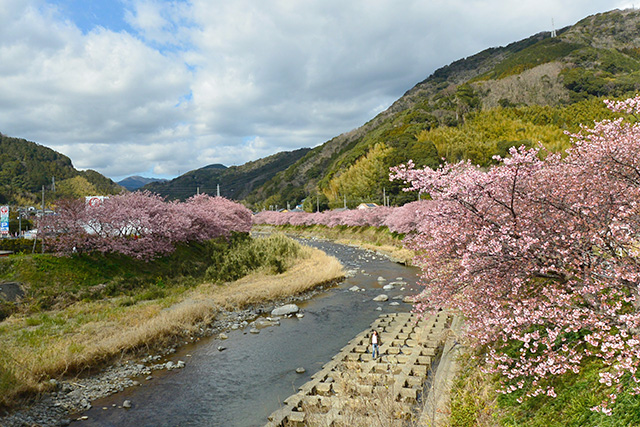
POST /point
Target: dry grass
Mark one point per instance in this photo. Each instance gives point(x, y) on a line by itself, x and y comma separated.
point(315, 268)
point(473, 397)
point(88, 334)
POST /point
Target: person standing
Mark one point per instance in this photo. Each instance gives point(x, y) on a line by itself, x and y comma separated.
point(375, 341)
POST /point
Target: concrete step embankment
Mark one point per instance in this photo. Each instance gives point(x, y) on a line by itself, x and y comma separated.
point(351, 382)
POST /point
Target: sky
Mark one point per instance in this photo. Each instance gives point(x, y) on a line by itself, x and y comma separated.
point(158, 88)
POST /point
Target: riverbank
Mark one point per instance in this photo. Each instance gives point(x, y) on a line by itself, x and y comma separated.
point(376, 239)
point(51, 350)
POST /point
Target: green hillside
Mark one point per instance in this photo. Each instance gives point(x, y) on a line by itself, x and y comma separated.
point(236, 182)
point(529, 91)
point(25, 167)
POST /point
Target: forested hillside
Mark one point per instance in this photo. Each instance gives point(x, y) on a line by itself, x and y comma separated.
point(527, 92)
point(25, 167)
point(236, 182)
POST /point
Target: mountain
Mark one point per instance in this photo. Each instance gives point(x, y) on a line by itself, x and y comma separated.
point(27, 167)
point(132, 183)
point(236, 182)
point(528, 91)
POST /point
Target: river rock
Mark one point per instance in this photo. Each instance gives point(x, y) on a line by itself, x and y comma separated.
point(221, 348)
point(299, 315)
point(381, 298)
point(254, 331)
point(381, 279)
point(388, 287)
point(398, 283)
point(408, 300)
point(394, 303)
point(301, 370)
point(126, 404)
point(354, 289)
point(223, 336)
point(379, 309)
point(265, 323)
point(285, 310)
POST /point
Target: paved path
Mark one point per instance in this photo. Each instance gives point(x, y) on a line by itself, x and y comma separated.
point(336, 394)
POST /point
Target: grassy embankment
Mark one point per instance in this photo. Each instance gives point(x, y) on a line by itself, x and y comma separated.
point(82, 311)
point(475, 402)
point(378, 239)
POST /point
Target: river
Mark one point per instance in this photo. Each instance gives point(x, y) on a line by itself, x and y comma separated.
point(242, 385)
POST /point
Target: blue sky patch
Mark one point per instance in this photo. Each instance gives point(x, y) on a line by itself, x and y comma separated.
point(88, 15)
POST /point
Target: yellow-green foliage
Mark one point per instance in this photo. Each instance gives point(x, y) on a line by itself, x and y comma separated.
point(492, 132)
point(363, 179)
point(75, 187)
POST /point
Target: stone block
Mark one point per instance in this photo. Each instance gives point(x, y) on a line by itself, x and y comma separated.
point(323, 389)
point(296, 419)
point(414, 382)
point(424, 360)
point(409, 394)
point(419, 370)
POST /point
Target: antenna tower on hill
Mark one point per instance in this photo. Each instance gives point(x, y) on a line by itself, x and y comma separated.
point(553, 29)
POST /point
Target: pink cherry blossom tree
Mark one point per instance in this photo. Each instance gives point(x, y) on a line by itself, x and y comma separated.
point(141, 224)
point(540, 253)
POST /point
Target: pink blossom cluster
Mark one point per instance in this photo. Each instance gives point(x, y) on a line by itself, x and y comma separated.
point(141, 224)
point(542, 251)
point(402, 219)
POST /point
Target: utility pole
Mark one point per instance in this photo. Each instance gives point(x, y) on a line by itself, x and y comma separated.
point(318, 203)
point(198, 191)
point(218, 191)
point(345, 202)
point(384, 196)
point(53, 184)
point(41, 220)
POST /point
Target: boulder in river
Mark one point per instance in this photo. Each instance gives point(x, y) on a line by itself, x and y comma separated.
point(388, 287)
point(381, 298)
point(354, 289)
point(301, 370)
point(285, 310)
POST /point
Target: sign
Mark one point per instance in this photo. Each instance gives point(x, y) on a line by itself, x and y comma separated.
point(4, 220)
point(94, 201)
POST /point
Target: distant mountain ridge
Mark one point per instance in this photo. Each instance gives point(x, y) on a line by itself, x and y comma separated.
point(235, 182)
point(133, 183)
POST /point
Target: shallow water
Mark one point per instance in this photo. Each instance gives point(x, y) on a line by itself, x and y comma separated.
point(244, 384)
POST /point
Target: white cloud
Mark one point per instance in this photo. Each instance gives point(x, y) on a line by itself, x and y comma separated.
point(209, 81)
